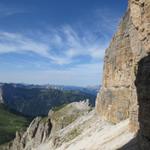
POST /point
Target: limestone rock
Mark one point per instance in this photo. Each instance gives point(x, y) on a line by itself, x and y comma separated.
point(37, 133)
point(64, 117)
point(113, 101)
point(119, 97)
point(42, 130)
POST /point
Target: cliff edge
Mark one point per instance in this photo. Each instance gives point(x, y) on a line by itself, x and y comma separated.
point(126, 85)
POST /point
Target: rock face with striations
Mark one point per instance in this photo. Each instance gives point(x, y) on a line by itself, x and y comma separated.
point(119, 97)
point(37, 133)
point(48, 129)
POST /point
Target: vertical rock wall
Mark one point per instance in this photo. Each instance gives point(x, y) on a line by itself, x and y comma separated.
point(114, 99)
point(118, 97)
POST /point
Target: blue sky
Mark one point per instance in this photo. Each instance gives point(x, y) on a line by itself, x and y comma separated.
point(56, 41)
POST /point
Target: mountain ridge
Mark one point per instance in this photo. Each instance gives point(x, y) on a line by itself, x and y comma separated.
point(21, 98)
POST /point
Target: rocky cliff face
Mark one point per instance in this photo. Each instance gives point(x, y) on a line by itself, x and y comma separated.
point(47, 129)
point(37, 133)
point(114, 100)
point(73, 127)
point(1, 97)
point(119, 98)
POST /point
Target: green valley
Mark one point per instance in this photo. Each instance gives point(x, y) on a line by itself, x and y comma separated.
point(10, 123)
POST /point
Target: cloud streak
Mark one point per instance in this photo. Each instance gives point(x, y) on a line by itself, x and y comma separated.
point(76, 50)
point(66, 44)
point(6, 11)
point(62, 46)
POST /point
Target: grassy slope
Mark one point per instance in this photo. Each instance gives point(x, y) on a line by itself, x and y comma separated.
point(9, 124)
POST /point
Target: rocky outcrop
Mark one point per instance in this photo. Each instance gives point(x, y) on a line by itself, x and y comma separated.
point(119, 96)
point(47, 129)
point(64, 117)
point(37, 133)
point(1, 96)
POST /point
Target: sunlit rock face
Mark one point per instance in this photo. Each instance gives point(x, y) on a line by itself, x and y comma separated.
point(38, 132)
point(114, 99)
point(1, 97)
point(118, 98)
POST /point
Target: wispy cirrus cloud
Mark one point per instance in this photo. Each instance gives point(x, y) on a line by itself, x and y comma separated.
point(77, 49)
point(62, 46)
point(66, 44)
point(6, 11)
point(19, 43)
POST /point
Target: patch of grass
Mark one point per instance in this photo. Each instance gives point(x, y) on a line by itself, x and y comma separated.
point(9, 124)
point(59, 107)
point(44, 119)
point(65, 116)
point(73, 134)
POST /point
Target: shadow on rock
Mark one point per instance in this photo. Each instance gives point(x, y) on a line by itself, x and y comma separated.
point(142, 83)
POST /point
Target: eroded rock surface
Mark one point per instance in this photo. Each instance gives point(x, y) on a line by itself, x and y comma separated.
point(47, 129)
point(118, 98)
point(37, 133)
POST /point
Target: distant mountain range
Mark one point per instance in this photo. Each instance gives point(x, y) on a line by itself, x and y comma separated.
point(88, 89)
point(37, 100)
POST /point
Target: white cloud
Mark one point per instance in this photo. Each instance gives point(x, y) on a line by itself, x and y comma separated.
point(18, 43)
point(75, 43)
point(9, 11)
point(66, 44)
point(62, 46)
